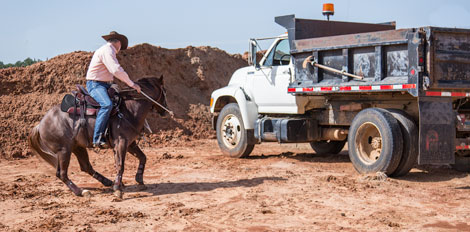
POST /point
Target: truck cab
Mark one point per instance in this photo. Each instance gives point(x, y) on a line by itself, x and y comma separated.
point(259, 89)
point(267, 82)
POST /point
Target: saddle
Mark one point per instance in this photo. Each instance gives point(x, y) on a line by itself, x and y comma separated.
point(81, 102)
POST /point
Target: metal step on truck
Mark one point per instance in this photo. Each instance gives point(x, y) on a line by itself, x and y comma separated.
point(398, 97)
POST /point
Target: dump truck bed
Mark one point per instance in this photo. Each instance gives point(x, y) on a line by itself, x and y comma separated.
point(416, 60)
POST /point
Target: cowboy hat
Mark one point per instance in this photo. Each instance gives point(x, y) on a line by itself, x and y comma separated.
point(120, 37)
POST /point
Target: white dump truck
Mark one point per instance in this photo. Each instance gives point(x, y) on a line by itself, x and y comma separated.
point(396, 96)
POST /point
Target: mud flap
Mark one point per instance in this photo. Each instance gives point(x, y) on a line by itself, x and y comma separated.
point(436, 131)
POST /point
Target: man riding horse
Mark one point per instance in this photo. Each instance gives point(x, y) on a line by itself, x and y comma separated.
point(103, 66)
point(63, 129)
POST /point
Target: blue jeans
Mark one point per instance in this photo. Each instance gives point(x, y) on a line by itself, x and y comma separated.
point(99, 91)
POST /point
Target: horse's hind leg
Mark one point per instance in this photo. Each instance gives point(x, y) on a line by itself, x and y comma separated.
point(62, 169)
point(85, 165)
point(139, 176)
point(119, 158)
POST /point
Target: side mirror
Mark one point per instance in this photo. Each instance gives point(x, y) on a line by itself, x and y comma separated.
point(252, 53)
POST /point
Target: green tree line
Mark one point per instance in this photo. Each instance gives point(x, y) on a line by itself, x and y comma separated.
point(24, 63)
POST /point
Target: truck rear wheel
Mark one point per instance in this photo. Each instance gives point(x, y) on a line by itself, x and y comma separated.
point(231, 134)
point(409, 131)
point(462, 163)
point(327, 147)
point(375, 142)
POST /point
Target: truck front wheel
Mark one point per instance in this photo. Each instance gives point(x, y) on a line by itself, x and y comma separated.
point(375, 142)
point(231, 134)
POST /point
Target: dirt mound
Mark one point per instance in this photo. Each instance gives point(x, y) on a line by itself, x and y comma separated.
point(190, 75)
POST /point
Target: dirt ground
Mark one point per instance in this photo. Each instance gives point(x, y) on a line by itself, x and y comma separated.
point(191, 186)
point(195, 188)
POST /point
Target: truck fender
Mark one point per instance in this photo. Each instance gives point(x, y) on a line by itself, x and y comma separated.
point(248, 109)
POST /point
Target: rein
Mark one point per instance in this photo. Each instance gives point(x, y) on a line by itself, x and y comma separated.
point(163, 93)
point(169, 111)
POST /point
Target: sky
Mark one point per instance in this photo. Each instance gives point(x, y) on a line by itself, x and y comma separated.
point(47, 28)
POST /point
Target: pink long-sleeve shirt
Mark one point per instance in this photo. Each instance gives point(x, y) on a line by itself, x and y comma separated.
point(104, 65)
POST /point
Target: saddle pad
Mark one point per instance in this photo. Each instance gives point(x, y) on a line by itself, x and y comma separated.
point(68, 105)
point(88, 112)
point(67, 102)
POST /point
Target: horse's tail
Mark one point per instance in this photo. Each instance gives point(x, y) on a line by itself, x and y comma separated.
point(39, 149)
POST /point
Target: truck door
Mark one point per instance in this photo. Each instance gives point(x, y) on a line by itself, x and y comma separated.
point(270, 82)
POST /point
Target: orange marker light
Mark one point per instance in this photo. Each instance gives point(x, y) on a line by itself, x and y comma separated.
point(328, 9)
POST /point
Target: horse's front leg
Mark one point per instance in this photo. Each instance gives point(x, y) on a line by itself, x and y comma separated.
point(120, 150)
point(139, 176)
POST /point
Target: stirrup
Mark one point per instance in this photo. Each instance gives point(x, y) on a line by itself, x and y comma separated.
point(101, 144)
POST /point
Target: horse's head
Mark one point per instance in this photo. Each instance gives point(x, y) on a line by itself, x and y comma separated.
point(155, 88)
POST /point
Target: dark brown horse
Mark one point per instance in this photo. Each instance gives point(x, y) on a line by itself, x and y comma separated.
point(59, 134)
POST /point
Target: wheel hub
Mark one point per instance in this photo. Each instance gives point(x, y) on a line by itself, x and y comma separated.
point(231, 131)
point(230, 134)
point(376, 143)
point(368, 143)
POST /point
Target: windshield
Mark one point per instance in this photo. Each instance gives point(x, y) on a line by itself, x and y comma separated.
point(280, 55)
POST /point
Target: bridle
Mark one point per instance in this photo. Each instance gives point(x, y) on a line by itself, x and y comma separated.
point(163, 93)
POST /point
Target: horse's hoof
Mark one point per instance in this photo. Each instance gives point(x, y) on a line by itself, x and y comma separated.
point(118, 194)
point(141, 187)
point(86, 193)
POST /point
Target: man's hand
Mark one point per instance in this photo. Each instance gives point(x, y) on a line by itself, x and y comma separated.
point(136, 87)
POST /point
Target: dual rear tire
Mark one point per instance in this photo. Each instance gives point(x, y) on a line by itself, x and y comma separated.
point(382, 140)
point(462, 163)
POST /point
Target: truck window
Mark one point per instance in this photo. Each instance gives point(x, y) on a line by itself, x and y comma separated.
point(280, 55)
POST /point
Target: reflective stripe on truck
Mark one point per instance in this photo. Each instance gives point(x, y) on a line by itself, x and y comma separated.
point(447, 94)
point(351, 88)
